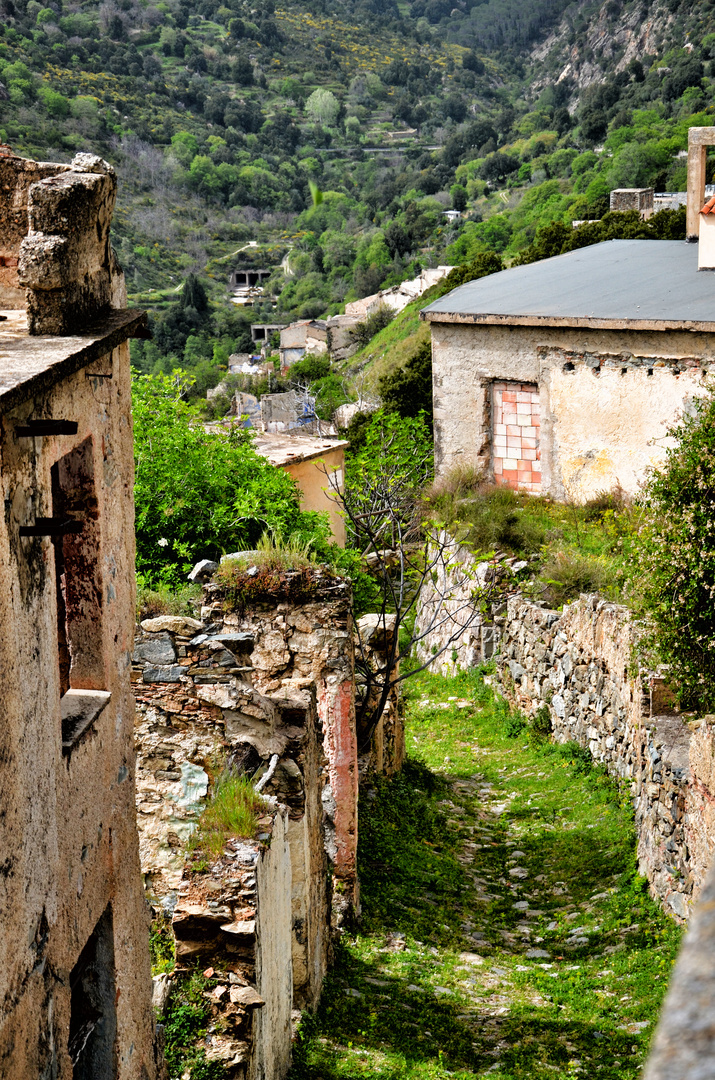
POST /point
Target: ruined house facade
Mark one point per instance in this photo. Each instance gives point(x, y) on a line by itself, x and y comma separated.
point(562, 377)
point(75, 987)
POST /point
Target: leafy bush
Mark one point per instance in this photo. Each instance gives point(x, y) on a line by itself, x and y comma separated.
point(408, 390)
point(487, 262)
point(364, 332)
point(164, 600)
point(185, 1023)
point(673, 562)
point(199, 493)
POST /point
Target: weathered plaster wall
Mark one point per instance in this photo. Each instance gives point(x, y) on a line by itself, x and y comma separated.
point(598, 418)
point(67, 830)
point(317, 480)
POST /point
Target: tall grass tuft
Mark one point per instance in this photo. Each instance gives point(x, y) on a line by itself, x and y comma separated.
point(233, 811)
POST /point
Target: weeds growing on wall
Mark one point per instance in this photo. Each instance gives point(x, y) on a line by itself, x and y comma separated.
point(185, 1024)
point(233, 810)
point(573, 548)
point(165, 600)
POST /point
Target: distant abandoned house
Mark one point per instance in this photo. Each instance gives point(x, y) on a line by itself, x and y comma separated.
point(75, 985)
point(563, 376)
point(309, 337)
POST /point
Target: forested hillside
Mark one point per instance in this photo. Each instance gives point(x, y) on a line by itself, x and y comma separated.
point(325, 139)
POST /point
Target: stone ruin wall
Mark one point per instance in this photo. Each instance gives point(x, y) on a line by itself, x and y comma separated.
point(56, 260)
point(271, 690)
point(579, 666)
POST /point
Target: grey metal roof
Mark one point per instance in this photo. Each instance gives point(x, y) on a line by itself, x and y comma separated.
point(634, 284)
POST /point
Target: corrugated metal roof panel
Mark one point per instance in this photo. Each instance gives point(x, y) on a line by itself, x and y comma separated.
point(653, 284)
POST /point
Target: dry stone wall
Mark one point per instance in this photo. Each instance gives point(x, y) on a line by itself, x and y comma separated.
point(210, 719)
point(579, 667)
point(235, 923)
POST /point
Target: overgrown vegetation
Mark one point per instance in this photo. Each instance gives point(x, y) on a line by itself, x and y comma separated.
point(185, 1024)
point(571, 549)
point(232, 811)
point(673, 558)
point(198, 493)
point(439, 981)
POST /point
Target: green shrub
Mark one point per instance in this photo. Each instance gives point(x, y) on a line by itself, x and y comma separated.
point(164, 600)
point(672, 568)
point(363, 332)
point(408, 390)
point(541, 721)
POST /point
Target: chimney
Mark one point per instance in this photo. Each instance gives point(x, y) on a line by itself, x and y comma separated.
point(699, 139)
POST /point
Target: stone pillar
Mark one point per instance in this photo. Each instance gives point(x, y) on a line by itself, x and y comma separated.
point(65, 261)
point(699, 138)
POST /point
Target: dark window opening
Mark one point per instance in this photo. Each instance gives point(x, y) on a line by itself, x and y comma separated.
point(77, 573)
point(93, 1017)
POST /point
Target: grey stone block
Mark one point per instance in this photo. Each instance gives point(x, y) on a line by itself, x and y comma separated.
point(157, 651)
point(164, 674)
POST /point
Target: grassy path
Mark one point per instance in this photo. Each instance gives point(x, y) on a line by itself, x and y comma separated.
point(505, 932)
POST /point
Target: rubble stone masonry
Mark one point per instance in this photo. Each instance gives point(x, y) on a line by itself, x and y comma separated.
point(580, 666)
point(269, 692)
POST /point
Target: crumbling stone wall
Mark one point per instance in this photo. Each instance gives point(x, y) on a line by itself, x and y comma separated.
point(56, 261)
point(579, 666)
point(271, 693)
point(235, 922)
point(198, 715)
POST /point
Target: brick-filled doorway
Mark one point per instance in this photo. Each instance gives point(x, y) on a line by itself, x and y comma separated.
point(516, 422)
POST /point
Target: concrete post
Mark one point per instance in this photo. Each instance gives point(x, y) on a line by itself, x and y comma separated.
point(698, 141)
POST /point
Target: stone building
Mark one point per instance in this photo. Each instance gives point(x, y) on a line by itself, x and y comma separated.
point(75, 987)
point(563, 376)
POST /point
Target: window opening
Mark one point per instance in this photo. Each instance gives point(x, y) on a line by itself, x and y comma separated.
point(77, 572)
point(93, 1017)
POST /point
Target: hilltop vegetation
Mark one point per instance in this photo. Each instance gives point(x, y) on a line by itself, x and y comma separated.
point(326, 140)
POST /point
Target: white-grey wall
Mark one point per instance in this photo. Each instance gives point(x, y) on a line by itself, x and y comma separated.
point(602, 423)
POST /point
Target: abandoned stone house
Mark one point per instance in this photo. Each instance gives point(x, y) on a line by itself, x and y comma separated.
point(75, 987)
point(563, 376)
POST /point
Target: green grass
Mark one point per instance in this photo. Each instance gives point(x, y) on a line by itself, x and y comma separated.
point(575, 548)
point(233, 810)
point(438, 981)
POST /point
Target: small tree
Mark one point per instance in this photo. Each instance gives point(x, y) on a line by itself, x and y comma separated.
point(323, 107)
point(382, 500)
point(673, 560)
